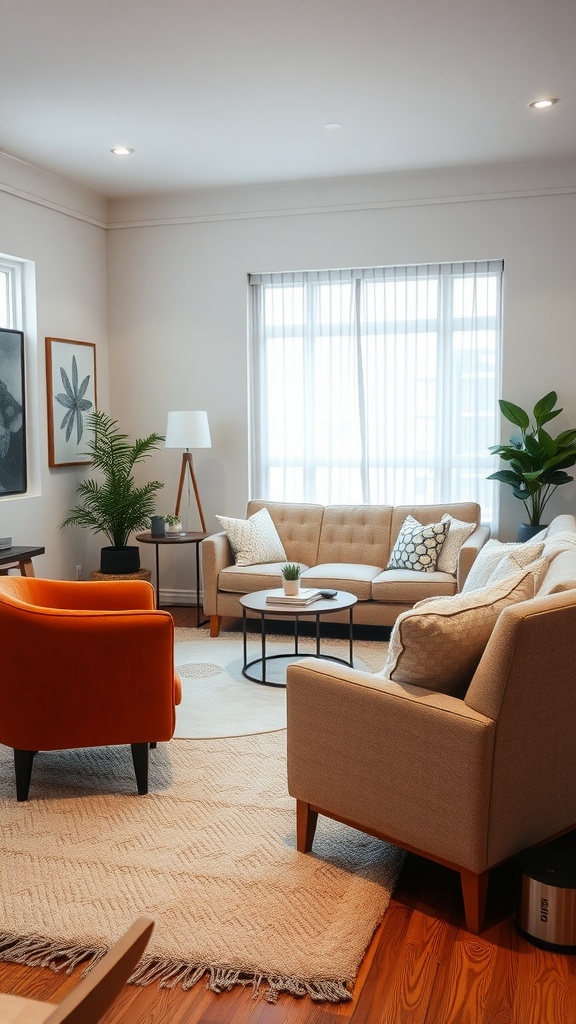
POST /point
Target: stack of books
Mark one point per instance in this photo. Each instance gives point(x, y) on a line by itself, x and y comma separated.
point(304, 596)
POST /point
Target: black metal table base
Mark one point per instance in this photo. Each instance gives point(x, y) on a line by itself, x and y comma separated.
point(264, 658)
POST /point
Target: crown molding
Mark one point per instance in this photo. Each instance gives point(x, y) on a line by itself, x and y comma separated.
point(48, 204)
point(387, 204)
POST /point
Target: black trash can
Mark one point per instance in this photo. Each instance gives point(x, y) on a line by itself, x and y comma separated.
point(546, 914)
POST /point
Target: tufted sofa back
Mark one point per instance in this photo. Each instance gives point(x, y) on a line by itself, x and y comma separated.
point(356, 534)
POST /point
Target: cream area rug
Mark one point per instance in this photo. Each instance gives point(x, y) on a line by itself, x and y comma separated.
point(217, 700)
point(209, 853)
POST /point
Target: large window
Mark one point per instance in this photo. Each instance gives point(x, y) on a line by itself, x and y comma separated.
point(376, 386)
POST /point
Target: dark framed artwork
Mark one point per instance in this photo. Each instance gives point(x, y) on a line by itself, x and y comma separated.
point(71, 388)
point(12, 413)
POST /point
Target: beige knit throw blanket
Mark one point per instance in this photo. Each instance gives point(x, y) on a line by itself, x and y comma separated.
point(209, 853)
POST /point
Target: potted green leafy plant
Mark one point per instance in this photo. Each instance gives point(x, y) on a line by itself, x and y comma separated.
point(173, 523)
point(537, 461)
point(114, 505)
point(290, 578)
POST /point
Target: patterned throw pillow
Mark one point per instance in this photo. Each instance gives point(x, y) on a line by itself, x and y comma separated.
point(458, 532)
point(439, 642)
point(491, 554)
point(254, 540)
point(417, 546)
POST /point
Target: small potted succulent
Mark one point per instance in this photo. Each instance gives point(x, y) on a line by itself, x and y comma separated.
point(291, 578)
point(173, 524)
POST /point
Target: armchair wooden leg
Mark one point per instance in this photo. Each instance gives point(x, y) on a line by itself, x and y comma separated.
point(140, 759)
point(306, 821)
point(215, 623)
point(23, 761)
point(475, 893)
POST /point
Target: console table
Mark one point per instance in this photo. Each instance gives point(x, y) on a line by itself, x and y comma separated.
point(18, 558)
point(174, 540)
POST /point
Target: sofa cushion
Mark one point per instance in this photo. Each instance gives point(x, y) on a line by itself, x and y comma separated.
point(458, 532)
point(417, 547)
point(352, 577)
point(404, 586)
point(439, 643)
point(254, 540)
point(245, 579)
point(491, 554)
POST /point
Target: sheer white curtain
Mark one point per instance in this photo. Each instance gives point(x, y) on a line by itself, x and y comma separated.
point(377, 385)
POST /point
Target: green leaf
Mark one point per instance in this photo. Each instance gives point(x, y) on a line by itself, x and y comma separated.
point(547, 443)
point(545, 406)
point(514, 414)
point(567, 439)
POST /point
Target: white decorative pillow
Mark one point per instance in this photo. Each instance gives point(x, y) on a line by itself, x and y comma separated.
point(254, 540)
point(458, 532)
point(417, 546)
point(491, 554)
point(510, 566)
point(439, 642)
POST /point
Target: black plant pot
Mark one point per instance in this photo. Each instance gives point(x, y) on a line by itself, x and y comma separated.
point(119, 561)
point(526, 531)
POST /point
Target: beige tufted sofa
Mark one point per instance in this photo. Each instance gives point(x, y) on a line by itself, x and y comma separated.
point(345, 547)
point(468, 781)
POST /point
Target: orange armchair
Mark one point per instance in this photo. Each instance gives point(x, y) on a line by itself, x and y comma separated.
point(84, 665)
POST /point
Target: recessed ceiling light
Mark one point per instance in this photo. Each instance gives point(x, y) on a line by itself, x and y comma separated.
point(121, 151)
point(332, 126)
point(542, 104)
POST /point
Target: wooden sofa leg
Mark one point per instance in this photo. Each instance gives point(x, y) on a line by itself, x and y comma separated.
point(23, 761)
point(215, 623)
point(306, 821)
point(140, 759)
point(475, 893)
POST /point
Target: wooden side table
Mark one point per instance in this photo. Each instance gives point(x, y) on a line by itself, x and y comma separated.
point(142, 574)
point(18, 558)
point(174, 540)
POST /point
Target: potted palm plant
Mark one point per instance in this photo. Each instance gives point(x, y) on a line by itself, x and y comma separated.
point(537, 461)
point(114, 505)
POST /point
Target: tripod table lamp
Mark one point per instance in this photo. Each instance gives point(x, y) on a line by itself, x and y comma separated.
point(188, 430)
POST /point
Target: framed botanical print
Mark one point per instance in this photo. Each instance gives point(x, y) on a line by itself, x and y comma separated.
point(71, 387)
point(12, 413)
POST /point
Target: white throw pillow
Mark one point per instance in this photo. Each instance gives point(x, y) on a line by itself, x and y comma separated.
point(254, 540)
point(510, 566)
point(458, 532)
point(491, 554)
point(417, 546)
point(439, 642)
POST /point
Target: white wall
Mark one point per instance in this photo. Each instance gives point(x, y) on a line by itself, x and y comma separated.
point(178, 267)
point(61, 230)
point(173, 270)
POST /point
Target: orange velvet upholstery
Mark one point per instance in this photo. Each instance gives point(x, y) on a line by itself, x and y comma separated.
point(85, 665)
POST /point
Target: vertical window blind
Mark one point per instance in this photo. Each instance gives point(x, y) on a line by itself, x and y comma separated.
point(376, 385)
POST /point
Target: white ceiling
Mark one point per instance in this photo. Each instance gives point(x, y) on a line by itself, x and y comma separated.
point(229, 92)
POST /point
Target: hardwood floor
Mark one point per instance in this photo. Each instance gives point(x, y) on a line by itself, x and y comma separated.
point(421, 968)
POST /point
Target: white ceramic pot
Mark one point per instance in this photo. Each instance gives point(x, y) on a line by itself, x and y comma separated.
point(291, 587)
point(173, 527)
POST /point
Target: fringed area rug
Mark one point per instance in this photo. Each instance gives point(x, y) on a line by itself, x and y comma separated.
point(209, 853)
point(217, 700)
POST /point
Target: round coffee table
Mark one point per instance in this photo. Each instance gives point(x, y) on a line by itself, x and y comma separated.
point(257, 602)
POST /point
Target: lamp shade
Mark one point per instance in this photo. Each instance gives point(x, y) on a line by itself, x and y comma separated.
point(187, 430)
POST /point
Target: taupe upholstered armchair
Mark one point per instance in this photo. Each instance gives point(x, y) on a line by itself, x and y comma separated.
point(465, 782)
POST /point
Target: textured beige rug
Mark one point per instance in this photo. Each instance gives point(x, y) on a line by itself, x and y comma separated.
point(217, 700)
point(209, 853)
